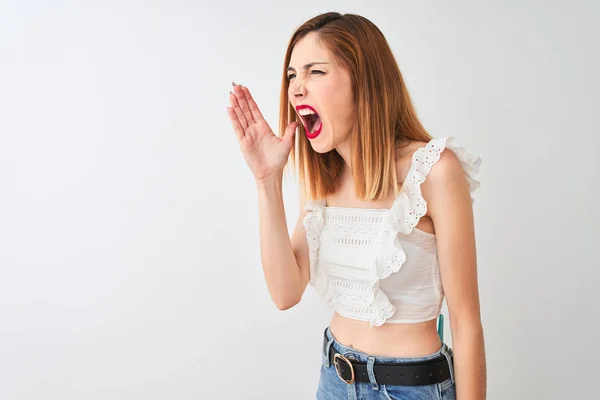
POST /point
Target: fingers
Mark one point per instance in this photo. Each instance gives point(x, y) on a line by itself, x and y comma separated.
point(256, 114)
point(244, 111)
point(243, 102)
point(238, 110)
point(288, 134)
point(237, 127)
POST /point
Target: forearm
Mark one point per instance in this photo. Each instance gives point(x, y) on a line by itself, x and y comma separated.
point(280, 267)
point(469, 363)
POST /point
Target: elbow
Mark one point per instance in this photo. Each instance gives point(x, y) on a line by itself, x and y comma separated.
point(466, 327)
point(286, 304)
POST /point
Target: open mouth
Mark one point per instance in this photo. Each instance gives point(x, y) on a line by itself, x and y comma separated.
point(311, 120)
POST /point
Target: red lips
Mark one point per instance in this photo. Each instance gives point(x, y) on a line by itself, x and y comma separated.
point(306, 129)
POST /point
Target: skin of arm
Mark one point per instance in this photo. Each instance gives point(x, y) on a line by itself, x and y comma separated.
point(284, 259)
point(449, 205)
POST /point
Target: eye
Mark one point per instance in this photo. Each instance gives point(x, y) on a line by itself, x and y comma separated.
point(314, 71)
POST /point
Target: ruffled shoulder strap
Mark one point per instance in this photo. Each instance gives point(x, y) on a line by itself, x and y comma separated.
point(314, 204)
point(313, 222)
point(469, 162)
point(410, 206)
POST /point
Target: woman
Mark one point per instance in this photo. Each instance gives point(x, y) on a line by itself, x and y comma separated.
point(386, 227)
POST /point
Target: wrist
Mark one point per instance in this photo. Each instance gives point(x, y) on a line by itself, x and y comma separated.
point(271, 181)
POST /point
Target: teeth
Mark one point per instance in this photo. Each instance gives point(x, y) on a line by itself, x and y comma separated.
point(305, 111)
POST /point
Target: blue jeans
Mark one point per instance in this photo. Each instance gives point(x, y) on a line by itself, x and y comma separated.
point(331, 387)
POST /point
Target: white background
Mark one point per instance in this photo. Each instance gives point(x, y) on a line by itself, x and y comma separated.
point(129, 248)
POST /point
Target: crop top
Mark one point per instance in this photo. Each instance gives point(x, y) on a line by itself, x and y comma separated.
point(373, 264)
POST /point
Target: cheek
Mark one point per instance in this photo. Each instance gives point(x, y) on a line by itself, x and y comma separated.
point(339, 102)
point(328, 93)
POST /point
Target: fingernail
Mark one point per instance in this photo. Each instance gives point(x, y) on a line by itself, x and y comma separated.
point(233, 84)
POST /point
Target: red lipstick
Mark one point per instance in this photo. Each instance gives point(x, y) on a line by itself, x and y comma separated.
point(305, 121)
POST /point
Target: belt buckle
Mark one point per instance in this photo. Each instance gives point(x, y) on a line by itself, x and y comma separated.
point(336, 358)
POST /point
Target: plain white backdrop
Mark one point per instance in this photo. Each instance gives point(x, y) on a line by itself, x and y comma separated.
point(129, 248)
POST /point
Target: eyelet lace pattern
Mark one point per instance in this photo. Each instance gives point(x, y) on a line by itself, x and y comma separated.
point(352, 249)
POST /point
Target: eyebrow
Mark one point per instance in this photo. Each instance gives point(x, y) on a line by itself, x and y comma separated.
point(308, 65)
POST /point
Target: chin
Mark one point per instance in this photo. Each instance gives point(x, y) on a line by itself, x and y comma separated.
point(320, 144)
point(320, 150)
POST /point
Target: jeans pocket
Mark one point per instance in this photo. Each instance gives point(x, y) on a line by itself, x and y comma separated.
point(447, 390)
point(425, 392)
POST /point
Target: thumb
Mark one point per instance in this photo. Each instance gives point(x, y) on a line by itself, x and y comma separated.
point(288, 134)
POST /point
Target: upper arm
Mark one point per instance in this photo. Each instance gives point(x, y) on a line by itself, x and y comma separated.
point(449, 204)
point(300, 244)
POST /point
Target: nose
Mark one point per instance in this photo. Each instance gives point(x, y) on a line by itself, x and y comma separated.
point(298, 89)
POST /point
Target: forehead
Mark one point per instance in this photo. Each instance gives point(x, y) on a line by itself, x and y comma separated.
point(309, 49)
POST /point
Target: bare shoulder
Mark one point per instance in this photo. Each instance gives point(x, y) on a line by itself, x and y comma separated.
point(404, 153)
point(446, 187)
point(406, 149)
point(447, 167)
point(446, 170)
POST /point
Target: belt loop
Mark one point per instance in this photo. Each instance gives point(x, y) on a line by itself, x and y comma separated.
point(371, 373)
point(446, 351)
point(327, 349)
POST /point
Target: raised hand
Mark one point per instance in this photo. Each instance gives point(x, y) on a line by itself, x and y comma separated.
point(265, 153)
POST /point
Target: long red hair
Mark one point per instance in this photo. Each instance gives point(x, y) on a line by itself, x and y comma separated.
point(384, 110)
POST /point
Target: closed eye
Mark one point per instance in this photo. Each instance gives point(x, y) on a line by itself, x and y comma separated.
point(314, 71)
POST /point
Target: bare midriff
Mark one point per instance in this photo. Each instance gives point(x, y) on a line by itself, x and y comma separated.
point(388, 340)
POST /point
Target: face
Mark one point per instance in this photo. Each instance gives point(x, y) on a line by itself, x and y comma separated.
point(320, 91)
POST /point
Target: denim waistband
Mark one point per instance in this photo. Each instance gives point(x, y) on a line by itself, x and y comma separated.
point(331, 344)
point(360, 356)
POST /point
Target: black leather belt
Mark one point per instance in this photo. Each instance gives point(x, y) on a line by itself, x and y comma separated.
point(406, 374)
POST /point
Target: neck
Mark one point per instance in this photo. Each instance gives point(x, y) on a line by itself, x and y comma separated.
point(344, 150)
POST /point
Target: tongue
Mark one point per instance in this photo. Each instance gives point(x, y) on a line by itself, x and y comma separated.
point(313, 123)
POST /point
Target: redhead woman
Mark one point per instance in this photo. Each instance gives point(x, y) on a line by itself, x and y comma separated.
point(386, 229)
